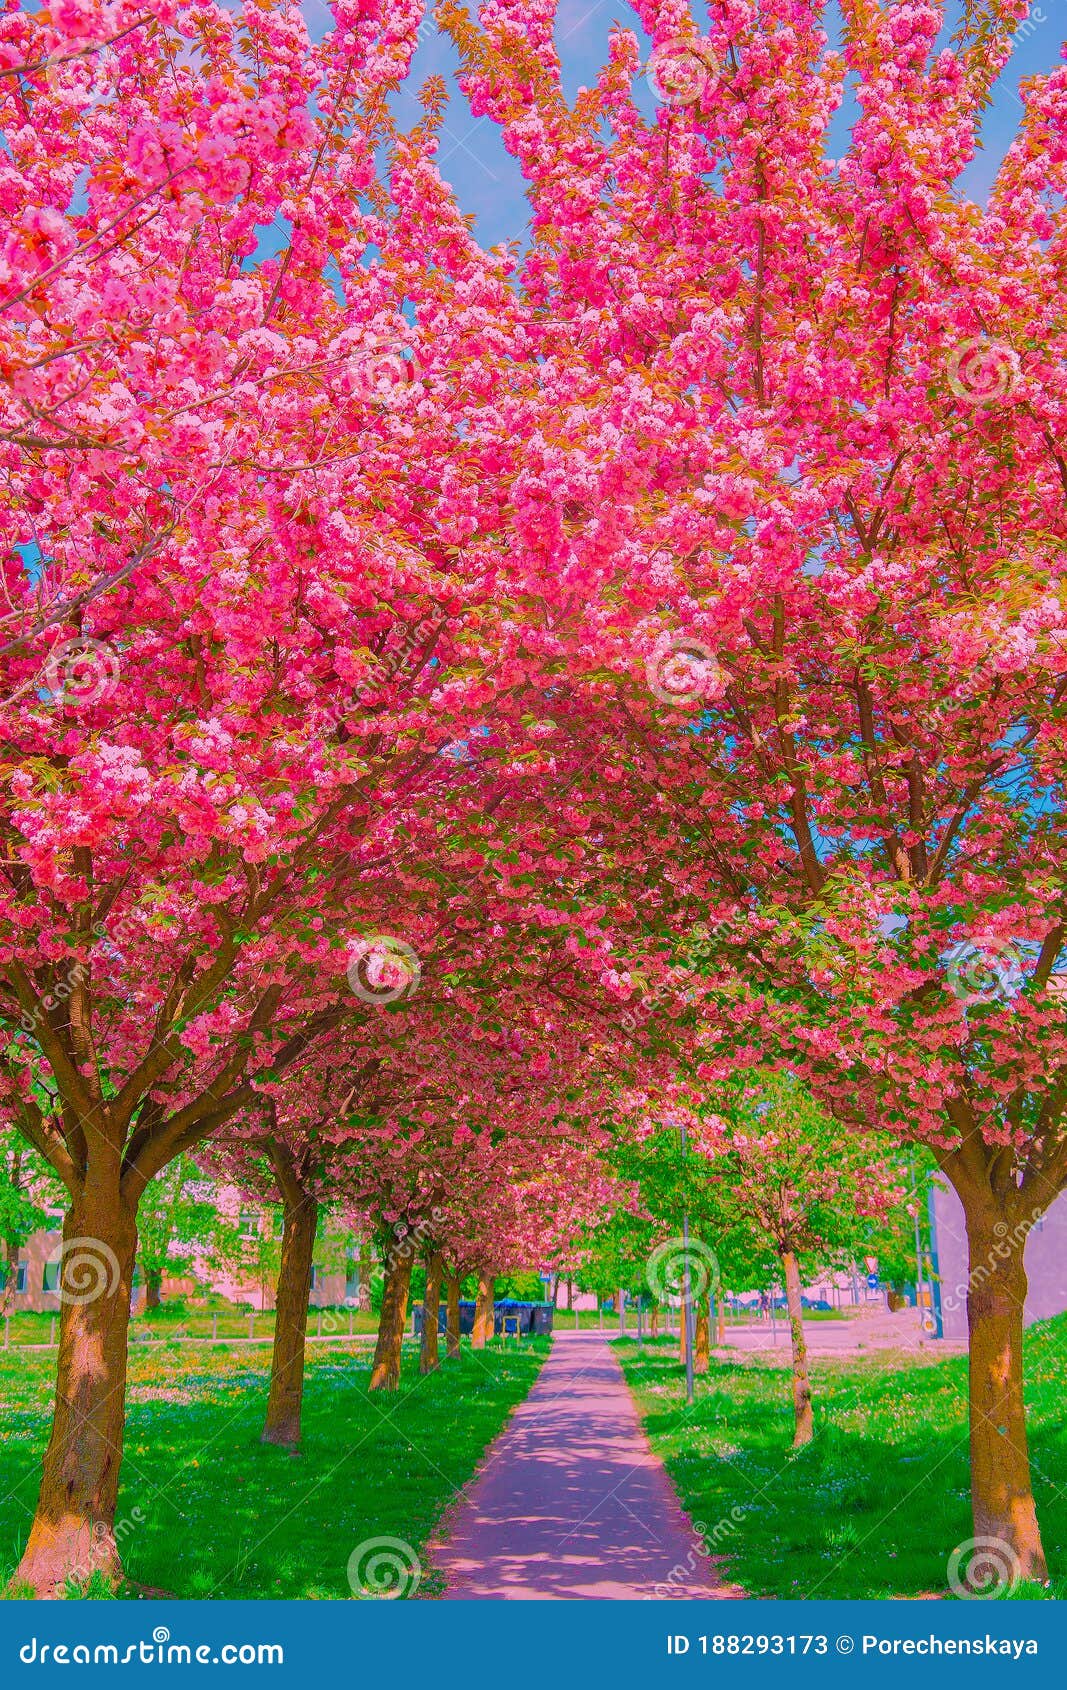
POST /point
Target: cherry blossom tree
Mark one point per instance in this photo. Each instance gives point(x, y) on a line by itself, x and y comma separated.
point(800, 460)
point(239, 624)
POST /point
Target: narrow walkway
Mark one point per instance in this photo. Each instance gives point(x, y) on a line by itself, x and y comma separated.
point(571, 1502)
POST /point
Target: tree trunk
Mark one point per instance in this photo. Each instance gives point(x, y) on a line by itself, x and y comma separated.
point(431, 1313)
point(1002, 1495)
point(620, 1300)
point(653, 1321)
point(363, 1293)
point(282, 1424)
point(153, 1280)
point(452, 1317)
point(702, 1338)
point(804, 1424)
point(11, 1263)
point(570, 1295)
point(73, 1531)
point(483, 1310)
point(385, 1374)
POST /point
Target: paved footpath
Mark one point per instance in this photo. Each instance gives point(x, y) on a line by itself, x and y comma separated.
point(570, 1501)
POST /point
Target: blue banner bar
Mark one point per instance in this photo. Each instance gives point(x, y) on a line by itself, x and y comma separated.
point(536, 1646)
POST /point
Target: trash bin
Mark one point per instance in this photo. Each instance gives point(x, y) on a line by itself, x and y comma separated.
point(542, 1320)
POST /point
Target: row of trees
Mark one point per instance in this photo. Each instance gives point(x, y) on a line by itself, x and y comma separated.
point(772, 1197)
point(451, 704)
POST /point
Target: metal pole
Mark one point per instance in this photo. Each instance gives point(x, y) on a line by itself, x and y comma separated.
point(918, 1250)
point(687, 1306)
point(622, 1310)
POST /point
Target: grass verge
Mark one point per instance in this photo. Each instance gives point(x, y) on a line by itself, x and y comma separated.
point(876, 1505)
point(206, 1510)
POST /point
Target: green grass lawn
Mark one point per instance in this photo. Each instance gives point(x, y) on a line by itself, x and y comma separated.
point(220, 1514)
point(877, 1504)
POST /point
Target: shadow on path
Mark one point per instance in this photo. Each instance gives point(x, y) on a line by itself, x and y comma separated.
point(571, 1503)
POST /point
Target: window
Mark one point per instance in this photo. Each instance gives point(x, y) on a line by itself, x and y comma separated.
point(316, 1278)
point(50, 1277)
point(247, 1224)
point(20, 1277)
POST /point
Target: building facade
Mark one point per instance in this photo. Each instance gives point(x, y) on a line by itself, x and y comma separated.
point(1045, 1260)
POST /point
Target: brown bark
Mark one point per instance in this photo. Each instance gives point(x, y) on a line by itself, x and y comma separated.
point(452, 1316)
point(1002, 1497)
point(702, 1338)
point(483, 1310)
point(803, 1419)
point(619, 1301)
point(570, 1294)
point(385, 1373)
point(73, 1530)
point(429, 1358)
point(653, 1321)
point(284, 1400)
point(153, 1281)
point(11, 1264)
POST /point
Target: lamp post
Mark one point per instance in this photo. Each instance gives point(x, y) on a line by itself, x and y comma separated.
point(687, 1301)
point(918, 1252)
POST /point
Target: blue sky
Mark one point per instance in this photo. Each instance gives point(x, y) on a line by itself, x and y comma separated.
point(488, 182)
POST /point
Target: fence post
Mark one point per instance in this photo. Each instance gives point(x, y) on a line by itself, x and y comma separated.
point(214, 1325)
point(318, 1325)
